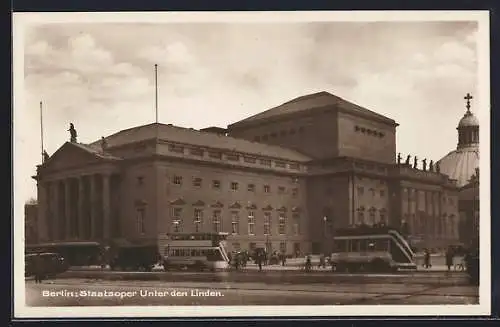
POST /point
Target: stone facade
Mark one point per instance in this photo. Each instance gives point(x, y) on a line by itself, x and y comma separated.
point(285, 184)
point(30, 223)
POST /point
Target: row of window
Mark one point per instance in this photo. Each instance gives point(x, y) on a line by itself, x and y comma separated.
point(236, 246)
point(282, 133)
point(234, 157)
point(368, 131)
point(373, 192)
point(235, 186)
point(178, 221)
point(442, 226)
point(372, 217)
point(409, 193)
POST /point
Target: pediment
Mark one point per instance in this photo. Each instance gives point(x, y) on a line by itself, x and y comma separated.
point(282, 209)
point(235, 205)
point(74, 155)
point(217, 205)
point(268, 207)
point(178, 202)
point(199, 203)
point(251, 206)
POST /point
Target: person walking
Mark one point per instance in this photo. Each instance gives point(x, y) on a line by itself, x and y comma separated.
point(38, 268)
point(427, 259)
point(449, 258)
point(259, 260)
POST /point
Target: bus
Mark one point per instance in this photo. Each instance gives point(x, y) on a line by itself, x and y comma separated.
point(371, 249)
point(195, 251)
point(75, 253)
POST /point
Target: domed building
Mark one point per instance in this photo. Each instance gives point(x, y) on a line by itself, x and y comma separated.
point(461, 164)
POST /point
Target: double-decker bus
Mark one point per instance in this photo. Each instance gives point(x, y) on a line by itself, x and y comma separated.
point(198, 251)
point(371, 249)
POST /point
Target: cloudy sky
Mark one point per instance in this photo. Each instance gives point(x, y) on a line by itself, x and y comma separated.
point(101, 77)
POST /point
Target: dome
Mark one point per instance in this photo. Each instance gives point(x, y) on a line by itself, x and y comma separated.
point(460, 164)
point(468, 120)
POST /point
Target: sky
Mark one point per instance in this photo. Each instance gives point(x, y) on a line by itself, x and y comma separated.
point(100, 76)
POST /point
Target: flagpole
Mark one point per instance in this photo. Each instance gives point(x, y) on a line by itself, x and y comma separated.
point(156, 92)
point(41, 129)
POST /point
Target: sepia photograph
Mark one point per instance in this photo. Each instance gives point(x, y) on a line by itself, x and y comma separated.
point(251, 164)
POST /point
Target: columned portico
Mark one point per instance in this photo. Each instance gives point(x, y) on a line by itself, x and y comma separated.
point(81, 210)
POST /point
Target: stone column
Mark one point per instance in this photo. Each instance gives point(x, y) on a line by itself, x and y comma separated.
point(67, 207)
point(81, 209)
point(54, 209)
point(93, 207)
point(41, 222)
point(106, 206)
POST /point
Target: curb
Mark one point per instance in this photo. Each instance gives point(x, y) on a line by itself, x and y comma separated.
point(262, 277)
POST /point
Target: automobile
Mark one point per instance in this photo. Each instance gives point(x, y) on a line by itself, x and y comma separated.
point(52, 263)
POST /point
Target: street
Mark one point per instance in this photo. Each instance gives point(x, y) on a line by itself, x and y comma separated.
point(85, 292)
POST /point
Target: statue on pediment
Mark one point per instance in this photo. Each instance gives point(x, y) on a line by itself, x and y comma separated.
point(431, 166)
point(407, 162)
point(424, 165)
point(104, 143)
point(72, 133)
point(415, 162)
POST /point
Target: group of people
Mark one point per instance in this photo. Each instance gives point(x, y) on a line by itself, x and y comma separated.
point(453, 258)
point(260, 257)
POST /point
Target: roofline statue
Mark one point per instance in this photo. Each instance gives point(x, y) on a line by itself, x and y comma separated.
point(72, 133)
point(415, 162)
point(407, 162)
point(431, 165)
point(424, 165)
point(399, 158)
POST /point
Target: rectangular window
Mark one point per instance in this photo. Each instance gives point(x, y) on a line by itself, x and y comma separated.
point(177, 220)
point(235, 222)
point(296, 224)
point(215, 155)
point(141, 212)
point(267, 189)
point(267, 223)
point(197, 182)
point(265, 162)
point(295, 192)
point(251, 223)
point(232, 157)
point(196, 152)
point(281, 190)
point(281, 223)
point(234, 186)
point(283, 247)
point(176, 148)
point(198, 220)
point(280, 164)
point(216, 184)
point(216, 221)
point(250, 160)
point(251, 187)
point(178, 180)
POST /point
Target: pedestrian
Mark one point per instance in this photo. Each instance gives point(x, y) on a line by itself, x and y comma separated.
point(38, 268)
point(259, 261)
point(308, 263)
point(283, 259)
point(427, 258)
point(449, 258)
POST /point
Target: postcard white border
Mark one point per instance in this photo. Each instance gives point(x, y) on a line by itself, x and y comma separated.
point(21, 20)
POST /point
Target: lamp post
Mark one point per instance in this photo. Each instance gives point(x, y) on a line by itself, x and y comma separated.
point(324, 234)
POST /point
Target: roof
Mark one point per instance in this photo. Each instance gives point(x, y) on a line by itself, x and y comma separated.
point(313, 101)
point(460, 164)
point(95, 151)
point(190, 136)
point(468, 120)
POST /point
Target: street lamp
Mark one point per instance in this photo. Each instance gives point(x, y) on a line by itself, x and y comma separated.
point(324, 234)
